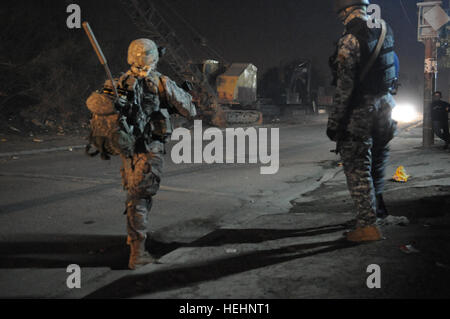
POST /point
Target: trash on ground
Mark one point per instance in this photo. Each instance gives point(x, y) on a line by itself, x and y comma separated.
point(60, 131)
point(15, 157)
point(231, 250)
point(70, 149)
point(37, 140)
point(49, 123)
point(409, 249)
point(393, 220)
point(14, 129)
point(37, 122)
point(441, 265)
point(400, 175)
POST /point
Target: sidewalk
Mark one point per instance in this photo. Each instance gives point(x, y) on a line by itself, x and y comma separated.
point(14, 145)
point(301, 254)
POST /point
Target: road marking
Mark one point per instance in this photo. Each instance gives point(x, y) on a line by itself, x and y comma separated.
point(196, 191)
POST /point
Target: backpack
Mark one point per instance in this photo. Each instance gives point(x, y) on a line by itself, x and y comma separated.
point(110, 133)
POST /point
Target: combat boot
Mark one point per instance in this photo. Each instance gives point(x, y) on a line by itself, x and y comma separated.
point(139, 257)
point(364, 234)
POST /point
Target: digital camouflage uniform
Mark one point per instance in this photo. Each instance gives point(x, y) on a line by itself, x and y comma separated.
point(141, 177)
point(136, 126)
point(363, 143)
point(142, 172)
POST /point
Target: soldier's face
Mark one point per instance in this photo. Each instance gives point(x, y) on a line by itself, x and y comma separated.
point(141, 71)
point(436, 97)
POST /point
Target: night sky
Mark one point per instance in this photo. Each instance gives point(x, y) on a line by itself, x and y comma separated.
point(269, 33)
point(266, 33)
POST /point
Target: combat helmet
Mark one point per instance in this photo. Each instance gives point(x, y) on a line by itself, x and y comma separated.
point(340, 5)
point(143, 56)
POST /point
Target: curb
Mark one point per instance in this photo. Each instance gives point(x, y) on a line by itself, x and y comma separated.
point(45, 150)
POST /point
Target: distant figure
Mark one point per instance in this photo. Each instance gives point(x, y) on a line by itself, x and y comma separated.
point(439, 114)
point(365, 75)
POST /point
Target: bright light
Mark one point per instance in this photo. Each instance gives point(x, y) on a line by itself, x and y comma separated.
point(405, 113)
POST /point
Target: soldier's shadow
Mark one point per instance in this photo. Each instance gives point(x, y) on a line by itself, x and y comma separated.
point(171, 278)
point(59, 251)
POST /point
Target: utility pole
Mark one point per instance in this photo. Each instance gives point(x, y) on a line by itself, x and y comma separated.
point(430, 79)
point(431, 18)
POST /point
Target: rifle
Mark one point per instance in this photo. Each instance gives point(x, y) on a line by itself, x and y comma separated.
point(100, 55)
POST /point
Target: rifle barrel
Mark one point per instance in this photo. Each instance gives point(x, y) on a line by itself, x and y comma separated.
point(100, 55)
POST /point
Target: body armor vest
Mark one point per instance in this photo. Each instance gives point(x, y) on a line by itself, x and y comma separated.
point(144, 111)
point(382, 77)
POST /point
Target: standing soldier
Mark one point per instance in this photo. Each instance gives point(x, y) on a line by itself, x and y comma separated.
point(360, 122)
point(136, 126)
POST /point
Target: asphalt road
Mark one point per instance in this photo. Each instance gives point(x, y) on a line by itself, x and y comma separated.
point(60, 208)
point(221, 230)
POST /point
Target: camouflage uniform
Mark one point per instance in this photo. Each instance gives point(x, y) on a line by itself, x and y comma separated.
point(363, 143)
point(141, 176)
point(141, 173)
point(136, 125)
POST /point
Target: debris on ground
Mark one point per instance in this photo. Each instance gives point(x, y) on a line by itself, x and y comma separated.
point(12, 128)
point(60, 131)
point(4, 140)
point(37, 123)
point(231, 250)
point(37, 140)
point(400, 175)
point(409, 249)
point(441, 265)
point(393, 220)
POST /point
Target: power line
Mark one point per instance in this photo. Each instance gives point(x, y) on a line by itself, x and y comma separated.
point(406, 14)
point(194, 31)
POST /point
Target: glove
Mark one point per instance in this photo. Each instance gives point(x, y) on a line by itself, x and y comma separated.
point(332, 134)
point(332, 130)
